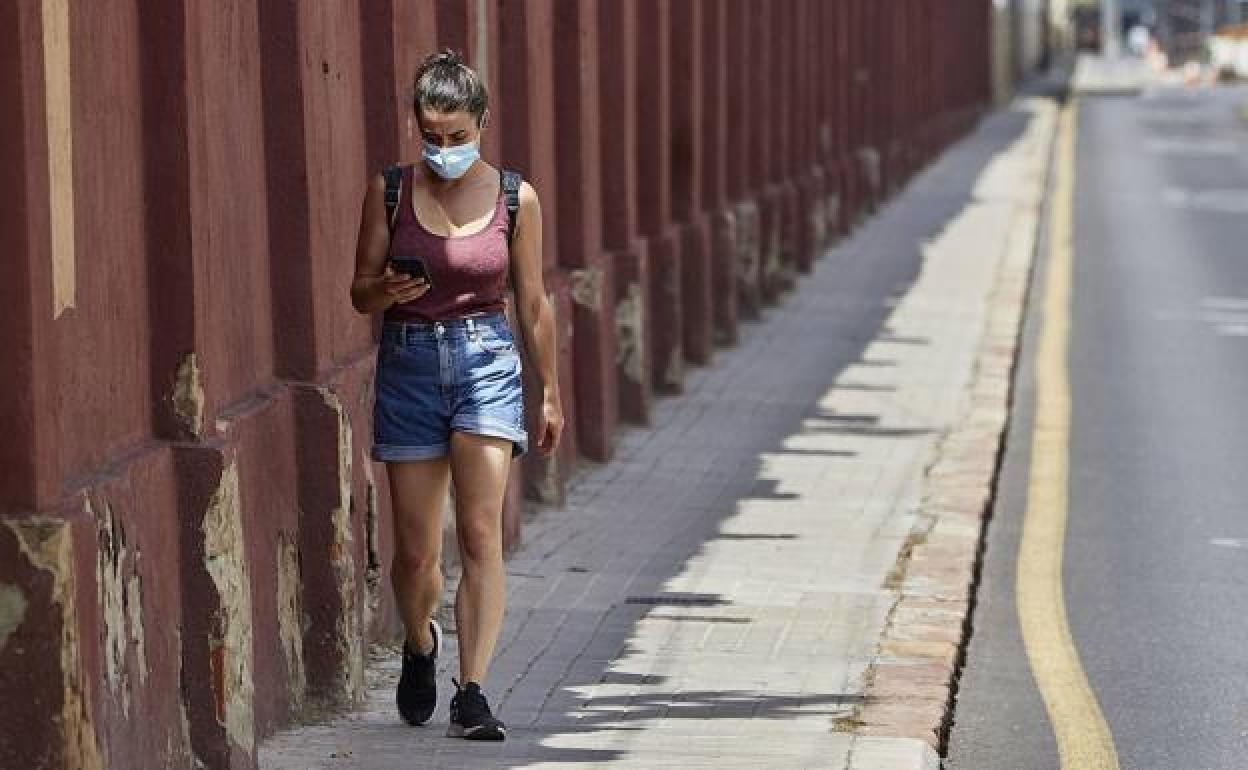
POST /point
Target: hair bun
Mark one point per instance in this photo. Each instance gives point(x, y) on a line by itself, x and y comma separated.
point(446, 56)
point(445, 83)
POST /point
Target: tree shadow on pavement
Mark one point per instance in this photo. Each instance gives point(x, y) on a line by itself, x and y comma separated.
point(851, 298)
point(661, 661)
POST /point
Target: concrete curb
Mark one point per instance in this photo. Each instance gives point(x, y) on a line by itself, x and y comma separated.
point(913, 679)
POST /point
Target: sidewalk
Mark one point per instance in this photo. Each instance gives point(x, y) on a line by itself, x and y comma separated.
point(723, 594)
point(1120, 76)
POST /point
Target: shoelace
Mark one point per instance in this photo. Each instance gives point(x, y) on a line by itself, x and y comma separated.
point(477, 697)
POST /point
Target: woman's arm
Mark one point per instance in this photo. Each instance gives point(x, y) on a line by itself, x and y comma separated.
point(536, 318)
point(375, 286)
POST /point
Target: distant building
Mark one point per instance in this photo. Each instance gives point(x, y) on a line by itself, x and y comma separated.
point(1184, 28)
point(1228, 50)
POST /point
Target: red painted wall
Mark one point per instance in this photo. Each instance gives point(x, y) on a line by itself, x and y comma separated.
point(186, 502)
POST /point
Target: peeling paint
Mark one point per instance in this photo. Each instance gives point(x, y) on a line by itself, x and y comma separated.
point(48, 545)
point(188, 395)
point(138, 637)
point(231, 642)
point(545, 487)
point(671, 281)
point(675, 369)
point(289, 618)
point(585, 287)
point(725, 228)
point(629, 332)
point(818, 222)
point(747, 244)
point(12, 611)
point(772, 263)
point(110, 591)
point(869, 157)
point(343, 559)
point(120, 602)
point(174, 754)
point(832, 211)
point(372, 573)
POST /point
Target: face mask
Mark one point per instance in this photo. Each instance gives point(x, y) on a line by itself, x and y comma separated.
point(451, 162)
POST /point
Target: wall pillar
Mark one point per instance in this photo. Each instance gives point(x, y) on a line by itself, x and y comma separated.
point(526, 97)
point(744, 181)
point(579, 166)
point(688, 84)
point(626, 251)
point(654, 190)
point(719, 161)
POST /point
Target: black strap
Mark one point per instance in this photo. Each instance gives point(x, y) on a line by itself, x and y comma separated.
point(394, 192)
point(511, 182)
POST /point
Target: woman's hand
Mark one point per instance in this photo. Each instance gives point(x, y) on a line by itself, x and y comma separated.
point(550, 425)
point(400, 287)
point(374, 293)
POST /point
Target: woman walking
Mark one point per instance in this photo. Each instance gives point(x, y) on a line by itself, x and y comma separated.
point(449, 409)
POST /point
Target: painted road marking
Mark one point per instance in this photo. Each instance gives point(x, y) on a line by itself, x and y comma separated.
point(1083, 738)
point(1236, 307)
point(1229, 201)
point(1225, 303)
point(1169, 119)
point(1227, 316)
point(1203, 147)
point(1229, 542)
point(1204, 316)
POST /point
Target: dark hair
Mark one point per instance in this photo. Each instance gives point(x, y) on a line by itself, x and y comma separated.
point(444, 83)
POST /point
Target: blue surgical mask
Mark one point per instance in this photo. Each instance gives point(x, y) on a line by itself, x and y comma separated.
point(451, 162)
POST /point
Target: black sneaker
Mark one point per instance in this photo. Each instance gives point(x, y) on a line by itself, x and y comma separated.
point(471, 717)
point(417, 694)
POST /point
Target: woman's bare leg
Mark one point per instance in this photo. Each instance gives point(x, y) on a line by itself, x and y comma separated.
point(418, 493)
point(479, 466)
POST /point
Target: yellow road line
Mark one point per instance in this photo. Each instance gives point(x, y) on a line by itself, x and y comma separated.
point(1083, 738)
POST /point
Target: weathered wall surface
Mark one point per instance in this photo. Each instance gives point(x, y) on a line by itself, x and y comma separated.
point(194, 547)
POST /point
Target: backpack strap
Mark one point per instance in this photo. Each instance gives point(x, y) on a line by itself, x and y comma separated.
point(511, 182)
point(394, 193)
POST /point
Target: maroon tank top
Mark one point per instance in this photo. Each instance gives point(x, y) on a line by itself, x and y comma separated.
point(468, 272)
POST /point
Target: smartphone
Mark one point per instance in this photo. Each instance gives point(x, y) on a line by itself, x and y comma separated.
point(413, 267)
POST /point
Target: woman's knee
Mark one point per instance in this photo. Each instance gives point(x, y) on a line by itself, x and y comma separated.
point(417, 563)
point(480, 538)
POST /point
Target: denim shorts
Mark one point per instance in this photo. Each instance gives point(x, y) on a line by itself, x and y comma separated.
point(434, 378)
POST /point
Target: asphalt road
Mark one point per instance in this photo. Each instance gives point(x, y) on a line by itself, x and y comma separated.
point(1156, 554)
